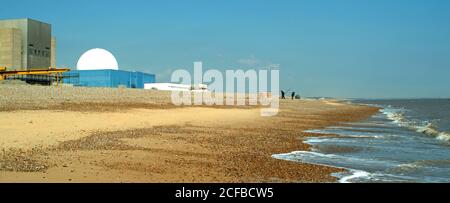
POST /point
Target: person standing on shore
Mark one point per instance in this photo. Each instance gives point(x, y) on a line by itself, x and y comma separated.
point(293, 95)
point(282, 95)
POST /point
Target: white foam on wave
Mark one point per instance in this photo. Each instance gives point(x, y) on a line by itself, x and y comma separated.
point(424, 127)
point(342, 178)
point(333, 160)
point(315, 140)
point(431, 130)
point(354, 175)
point(395, 115)
point(444, 136)
point(316, 131)
point(287, 156)
point(346, 132)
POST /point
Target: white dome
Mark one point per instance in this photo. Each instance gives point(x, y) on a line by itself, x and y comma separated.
point(96, 59)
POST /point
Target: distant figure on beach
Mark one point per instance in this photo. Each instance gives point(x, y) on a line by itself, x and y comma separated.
point(282, 95)
point(293, 95)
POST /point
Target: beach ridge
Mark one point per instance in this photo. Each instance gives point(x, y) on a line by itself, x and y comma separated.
point(185, 144)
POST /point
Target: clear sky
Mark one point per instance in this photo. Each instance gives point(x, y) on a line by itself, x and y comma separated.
point(338, 48)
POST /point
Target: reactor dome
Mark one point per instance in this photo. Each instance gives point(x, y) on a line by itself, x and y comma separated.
point(97, 59)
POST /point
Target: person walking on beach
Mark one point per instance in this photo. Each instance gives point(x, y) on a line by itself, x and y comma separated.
point(293, 95)
point(282, 95)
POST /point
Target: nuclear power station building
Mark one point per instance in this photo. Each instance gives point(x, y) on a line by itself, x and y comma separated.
point(99, 68)
point(26, 44)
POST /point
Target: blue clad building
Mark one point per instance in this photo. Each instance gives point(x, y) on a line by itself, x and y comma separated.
point(108, 78)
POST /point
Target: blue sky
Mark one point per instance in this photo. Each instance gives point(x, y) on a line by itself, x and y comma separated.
point(340, 48)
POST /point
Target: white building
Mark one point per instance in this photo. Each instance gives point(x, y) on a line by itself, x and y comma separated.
point(176, 87)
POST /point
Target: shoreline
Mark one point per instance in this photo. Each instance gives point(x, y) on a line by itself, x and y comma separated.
point(166, 145)
point(351, 173)
point(341, 170)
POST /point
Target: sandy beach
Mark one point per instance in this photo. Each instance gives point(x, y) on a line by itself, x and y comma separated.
point(52, 134)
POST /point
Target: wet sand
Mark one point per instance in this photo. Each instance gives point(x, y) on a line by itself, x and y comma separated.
point(144, 143)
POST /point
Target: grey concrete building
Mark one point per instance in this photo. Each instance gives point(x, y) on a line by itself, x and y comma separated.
point(29, 40)
point(53, 53)
point(11, 48)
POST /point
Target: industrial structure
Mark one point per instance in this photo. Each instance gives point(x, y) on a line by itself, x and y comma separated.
point(42, 76)
point(26, 44)
point(99, 68)
point(28, 53)
point(108, 78)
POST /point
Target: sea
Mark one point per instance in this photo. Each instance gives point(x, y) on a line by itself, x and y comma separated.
point(407, 141)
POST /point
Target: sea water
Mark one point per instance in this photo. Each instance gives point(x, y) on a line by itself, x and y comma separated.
point(407, 141)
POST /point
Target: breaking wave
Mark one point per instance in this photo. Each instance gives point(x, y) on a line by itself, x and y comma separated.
point(426, 127)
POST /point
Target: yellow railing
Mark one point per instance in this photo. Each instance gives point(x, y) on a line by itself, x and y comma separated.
point(55, 72)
